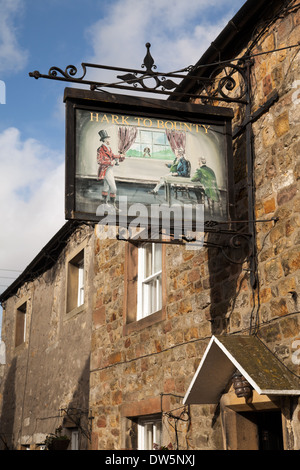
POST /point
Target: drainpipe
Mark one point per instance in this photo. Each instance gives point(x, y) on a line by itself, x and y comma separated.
point(250, 192)
point(250, 179)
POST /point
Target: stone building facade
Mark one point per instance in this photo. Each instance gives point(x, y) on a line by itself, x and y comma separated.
point(43, 385)
point(126, 381)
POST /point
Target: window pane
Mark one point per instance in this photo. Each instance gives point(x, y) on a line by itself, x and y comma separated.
point(153, 259)
point(75, 440)
point(80, 284)
point(158, 293)
point(153, 305)
point(149, 279)
point(149, 436)
point(149, 433)
point(159, 138)
point(20, 335)
point(157, 258)
point(152, 295)
point(75, 282)
point(148, 260)
point(146, 137)
point(146, 300)
point(157, 433)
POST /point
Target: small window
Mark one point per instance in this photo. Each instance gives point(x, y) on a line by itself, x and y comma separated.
point(268, 428)
point(25, 447)
point(75, 439)
point(80, 297)
point(149, 279)
point(149, 432)
point(75, 282)
point(145, 285)
point(21, 325)
point(253, 426)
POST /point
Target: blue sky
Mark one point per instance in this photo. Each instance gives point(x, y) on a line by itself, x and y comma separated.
point(35, 35)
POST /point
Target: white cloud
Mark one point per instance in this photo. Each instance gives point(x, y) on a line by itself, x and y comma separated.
point(178, 32)
point(31, 198)
point(32, 176)
point(12, 56)
point(59, 112)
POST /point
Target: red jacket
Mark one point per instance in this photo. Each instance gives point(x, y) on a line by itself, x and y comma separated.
point(106, 158)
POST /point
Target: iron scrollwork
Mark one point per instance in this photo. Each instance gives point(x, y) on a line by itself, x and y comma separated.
point(150, 66)
point(238, 248)
point(226, 82)
point(57, 73)
point(69, 72)
point(232, 78)
point(225, 79)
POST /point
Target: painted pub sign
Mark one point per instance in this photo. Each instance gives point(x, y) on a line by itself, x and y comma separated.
point(145, 152)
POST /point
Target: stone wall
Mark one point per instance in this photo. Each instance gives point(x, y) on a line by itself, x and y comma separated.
point(150, 369)
point(276, 147)
point(90, 361)
point(139, 373)
point(50, 371)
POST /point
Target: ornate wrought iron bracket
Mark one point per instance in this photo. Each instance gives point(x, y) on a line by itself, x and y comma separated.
point(227, 81)
point(236, 247)
point(223, 81)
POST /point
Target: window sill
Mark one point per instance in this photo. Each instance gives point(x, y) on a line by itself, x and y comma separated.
point(75, 311)
point(144, 322)
point(20, 347)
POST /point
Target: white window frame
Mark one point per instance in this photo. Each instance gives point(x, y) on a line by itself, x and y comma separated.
point(149, 291)
point(149, 432)
point(80, 297)
point(75, 439)
point(75, 288)
point(25, 325)
point(141, 142)
point(21, 323)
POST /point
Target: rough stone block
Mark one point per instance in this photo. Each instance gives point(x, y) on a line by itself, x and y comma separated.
point(267, 85)
point(269, 206)
point(265, 295)
point(268, 136)
point(273, 270)
point(169, 385)
point(99, 316)
point(278, 308)
point(286, 194)
point(282, 124)
point(291, 261)
point(290, 327)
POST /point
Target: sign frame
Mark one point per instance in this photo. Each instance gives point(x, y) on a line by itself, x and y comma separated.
point(149, 109)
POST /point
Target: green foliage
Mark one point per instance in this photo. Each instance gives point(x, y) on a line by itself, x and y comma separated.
point(57, 436)
point(161, 155)
point(158, 447)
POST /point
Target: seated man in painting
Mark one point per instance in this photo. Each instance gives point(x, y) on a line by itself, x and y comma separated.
point(179, 167)
point(207, 178)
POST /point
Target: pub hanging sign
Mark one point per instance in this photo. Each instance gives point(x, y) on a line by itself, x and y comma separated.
point(129, 157)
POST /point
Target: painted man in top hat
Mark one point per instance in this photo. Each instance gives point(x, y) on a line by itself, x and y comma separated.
point(106, 160)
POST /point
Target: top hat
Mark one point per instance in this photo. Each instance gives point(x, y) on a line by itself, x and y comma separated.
point(103, 134)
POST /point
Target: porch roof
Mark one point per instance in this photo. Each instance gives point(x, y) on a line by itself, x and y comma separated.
point(247, 354)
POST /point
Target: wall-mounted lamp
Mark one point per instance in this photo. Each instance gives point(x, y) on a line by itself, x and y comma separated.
point(241, 386)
